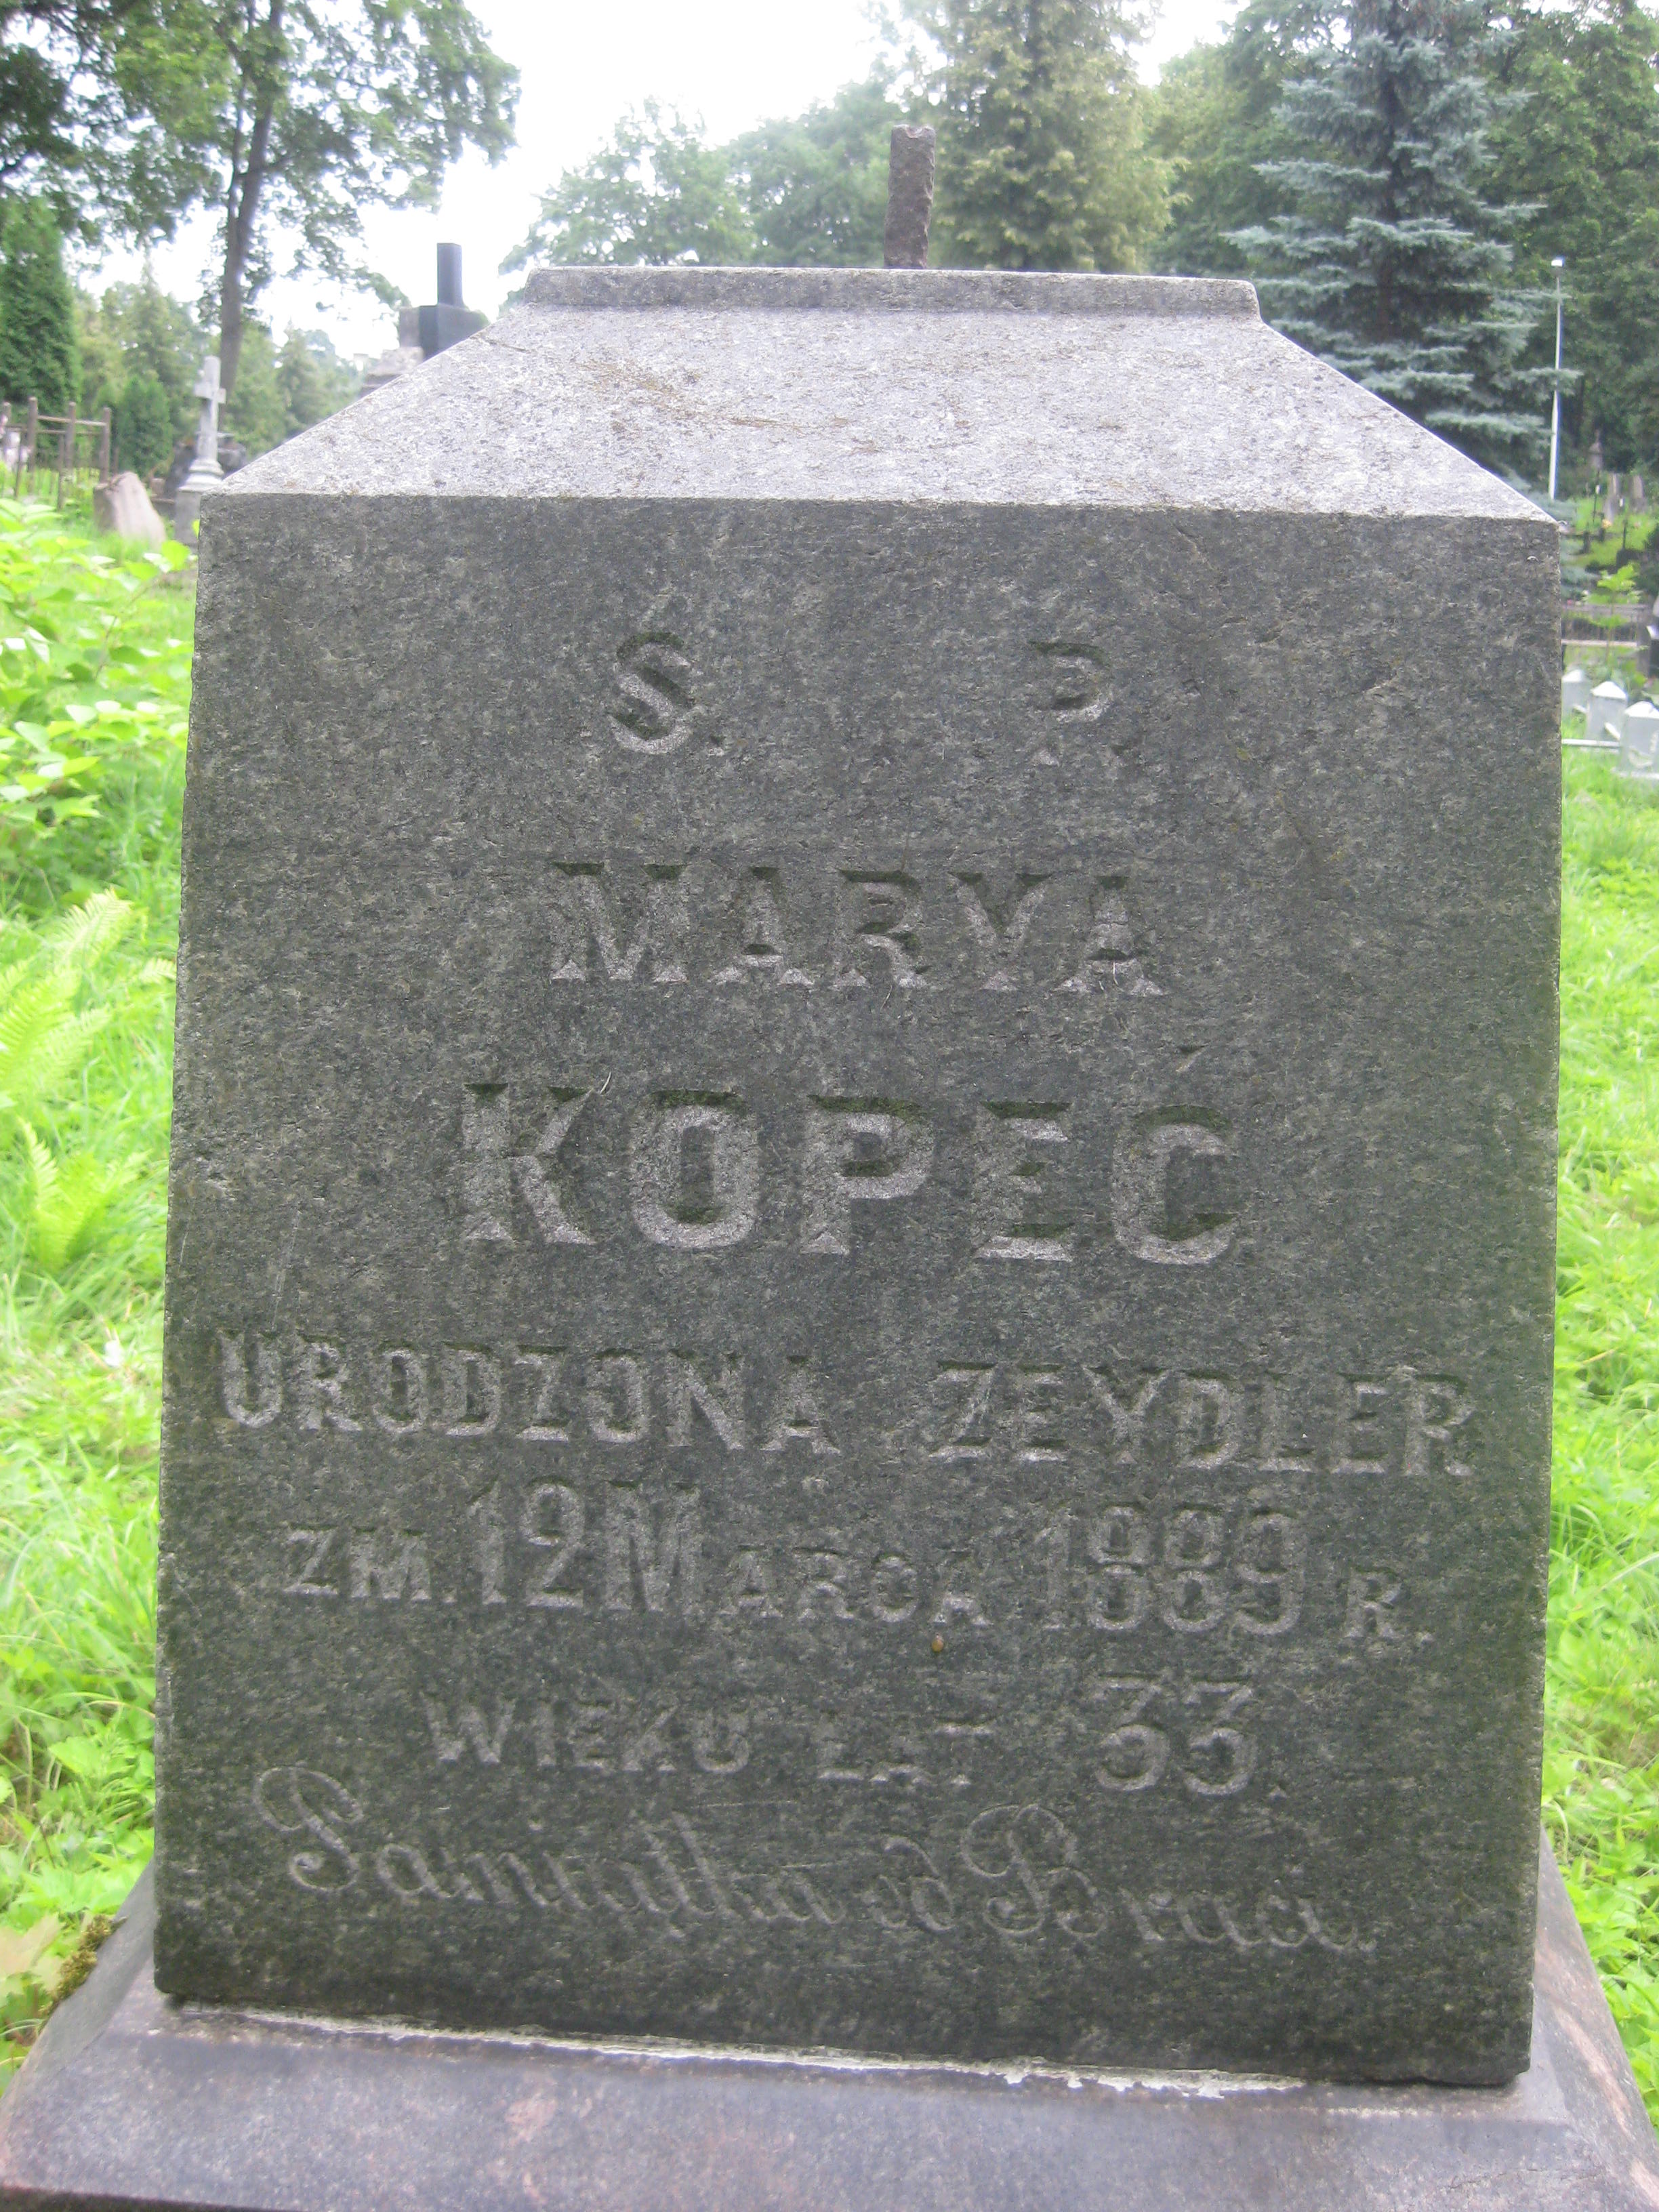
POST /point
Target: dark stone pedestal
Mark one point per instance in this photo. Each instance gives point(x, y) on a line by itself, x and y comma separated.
point(130, 2101)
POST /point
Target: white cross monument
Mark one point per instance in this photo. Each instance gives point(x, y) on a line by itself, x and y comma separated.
point(204, 469)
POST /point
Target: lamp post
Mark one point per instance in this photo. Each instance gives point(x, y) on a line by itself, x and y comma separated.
point(1558, 263)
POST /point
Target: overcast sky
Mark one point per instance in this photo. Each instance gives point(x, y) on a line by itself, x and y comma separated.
point(731, 63)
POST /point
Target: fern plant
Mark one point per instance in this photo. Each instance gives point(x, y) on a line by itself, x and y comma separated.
point(45, 1036)
point(68, 1200)
point(77, 693)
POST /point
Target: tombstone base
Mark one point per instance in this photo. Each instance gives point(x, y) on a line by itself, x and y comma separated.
point(131, 2102)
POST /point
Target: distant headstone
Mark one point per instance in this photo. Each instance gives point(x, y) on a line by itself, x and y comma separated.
point(388, 366)
point(1575, 692)
point(449, 319)
point(121, 508)
point(859, 1315)
point(1605, 716)
point(1639, 741)
point(1638, 495)
point(424, 332)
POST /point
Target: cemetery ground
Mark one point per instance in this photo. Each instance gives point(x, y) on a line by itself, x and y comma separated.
point(93, 684)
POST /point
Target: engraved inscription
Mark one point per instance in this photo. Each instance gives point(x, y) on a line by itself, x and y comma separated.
point(691, 918)
point(591, 919)
point(859, 1150)
point(878, 924)
point(763, 934)
point(1026, 1413)
point(695, 1171)
point(1012, 1872)
point(653, 708)
point(1141, 1164)
point(999, 927)
point(1112, 957)
point(1168, 1190)
point(1017, 1217)
point(1194, 1569)
point(492, 1168)
point(1071, 679)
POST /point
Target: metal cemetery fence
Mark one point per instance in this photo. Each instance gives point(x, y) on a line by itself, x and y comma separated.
point(71, 448)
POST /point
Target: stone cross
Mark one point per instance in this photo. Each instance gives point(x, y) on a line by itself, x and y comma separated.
point(211, 393)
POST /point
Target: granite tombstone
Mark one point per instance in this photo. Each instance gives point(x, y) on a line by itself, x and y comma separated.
point(859, 1279)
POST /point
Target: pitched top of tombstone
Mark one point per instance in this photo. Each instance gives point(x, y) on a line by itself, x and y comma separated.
point(867, 384)
point(1610, 691)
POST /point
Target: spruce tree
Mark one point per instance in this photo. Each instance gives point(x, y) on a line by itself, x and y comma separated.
point(143, 424)
point(1041, 158)
point(1578, 141)
point(1394, 267)
point(1215, 119)
point(39, 356)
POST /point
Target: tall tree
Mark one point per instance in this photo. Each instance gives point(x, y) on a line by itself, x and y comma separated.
point(143, 432)
point(1578, 139)
point(808, 190)
point(253, 413)
point(816, 185)
point(656, 193)
point(1043, 162)
point(153, 335)
point(1214, 118)
point(61, 109)
point(1394, 267)
point(39, 358)
point(313, 379)
point(292, 116)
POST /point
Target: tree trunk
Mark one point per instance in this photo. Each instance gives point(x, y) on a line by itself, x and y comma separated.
point(262, 73)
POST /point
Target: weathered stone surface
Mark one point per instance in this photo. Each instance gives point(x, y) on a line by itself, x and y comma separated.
point(122, 508)
point(859, 1273)
point(910, 196)
point(129, 2102)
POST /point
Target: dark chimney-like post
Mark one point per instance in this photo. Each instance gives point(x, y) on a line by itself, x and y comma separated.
point(446, 321)
point(910, 196)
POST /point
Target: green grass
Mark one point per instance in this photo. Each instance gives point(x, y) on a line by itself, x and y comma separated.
point(94, 670)
point(1609, 547)
point(1601, 1765)
point(81, 1253)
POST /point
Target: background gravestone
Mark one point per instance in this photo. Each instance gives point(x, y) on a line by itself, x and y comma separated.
point(1605, 715)
point(1638, 740)
point(860, 1257)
